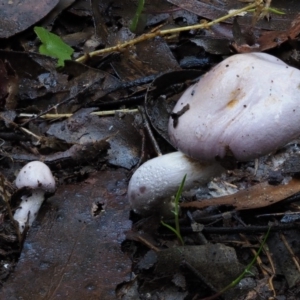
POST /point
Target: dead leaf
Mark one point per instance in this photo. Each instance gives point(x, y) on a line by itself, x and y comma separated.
point(259, 195)
point(84, 128)
point(8, 85)
point(215, 9)
point(16, 16)
point(217, 263)
point(270, 39)
point(282, 257)
point(71, 253)
point(144, 61)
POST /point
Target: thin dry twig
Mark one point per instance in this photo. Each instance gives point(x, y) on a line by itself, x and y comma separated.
point(286, 244)
point(271, 270)
point(152, 35)
point(97, 113)
point(149, 130)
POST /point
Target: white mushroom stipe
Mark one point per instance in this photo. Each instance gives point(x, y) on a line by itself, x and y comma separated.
point(38, 177)
point(154, 183)
point(245, 107)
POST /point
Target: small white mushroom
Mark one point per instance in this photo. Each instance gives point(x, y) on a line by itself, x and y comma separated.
point(154, 183)
point(245, 107)
point(38, 177)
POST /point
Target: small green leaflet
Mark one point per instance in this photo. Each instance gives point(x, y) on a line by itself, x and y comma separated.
point(53, 45)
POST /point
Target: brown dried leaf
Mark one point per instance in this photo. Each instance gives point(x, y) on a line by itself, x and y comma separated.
point(260, 195)
point(270, 39)
point(8, 85)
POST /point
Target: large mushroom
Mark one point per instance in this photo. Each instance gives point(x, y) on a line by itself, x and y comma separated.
point(245, 107)
point(38, 178)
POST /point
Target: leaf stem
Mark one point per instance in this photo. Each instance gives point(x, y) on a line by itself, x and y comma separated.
point(137, 15)
point(176, 230)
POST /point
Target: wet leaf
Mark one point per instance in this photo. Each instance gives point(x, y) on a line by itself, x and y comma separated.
point(217, 263)
point(83, 128)
point(72, 253)
point(282, 256)
point(215, 9)
point(144, 61)
point(16, 16)
point(8, 86)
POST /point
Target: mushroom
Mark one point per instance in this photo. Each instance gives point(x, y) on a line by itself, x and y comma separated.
point(38, 177)
point(245, 107)
point(154, 183)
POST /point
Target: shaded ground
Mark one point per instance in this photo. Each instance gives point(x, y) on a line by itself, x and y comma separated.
point(74, 249)
point(86, 242)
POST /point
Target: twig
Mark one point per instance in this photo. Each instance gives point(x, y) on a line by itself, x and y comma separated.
point(294, 258)
point(142, 155)
point(69, 98)
point(25, 130)
point(149, 130)
point(22, 129)
point(148, 244)
point(250, 229)
point(152, 35)
point(97, 113)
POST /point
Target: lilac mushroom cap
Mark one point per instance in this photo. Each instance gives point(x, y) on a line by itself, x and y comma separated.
point(245, 107)
point(38, 177)
point(154, 183)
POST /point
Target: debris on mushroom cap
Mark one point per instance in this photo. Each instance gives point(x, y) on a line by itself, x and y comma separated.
point(245, 107)
point(155, 182)
point(36, 175)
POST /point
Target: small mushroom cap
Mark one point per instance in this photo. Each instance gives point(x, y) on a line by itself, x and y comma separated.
point(36, 175)
point(245, 107)
point(153, 184)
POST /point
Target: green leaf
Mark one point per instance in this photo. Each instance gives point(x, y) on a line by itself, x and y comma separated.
point(53, 45)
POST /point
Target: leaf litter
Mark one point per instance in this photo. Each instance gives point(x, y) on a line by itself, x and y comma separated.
point(77, 248)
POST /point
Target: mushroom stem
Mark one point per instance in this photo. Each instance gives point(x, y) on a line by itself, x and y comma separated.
point(29, 208)
point(154, 183)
